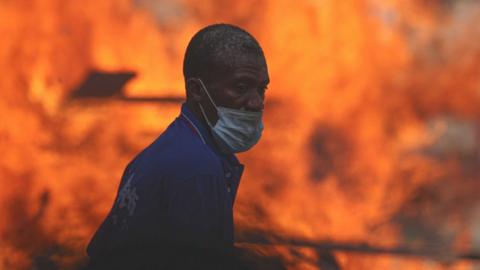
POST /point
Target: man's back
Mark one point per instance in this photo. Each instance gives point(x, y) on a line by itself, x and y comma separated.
point(177, 194)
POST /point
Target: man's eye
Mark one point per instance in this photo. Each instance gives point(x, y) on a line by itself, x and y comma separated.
point(241, 88)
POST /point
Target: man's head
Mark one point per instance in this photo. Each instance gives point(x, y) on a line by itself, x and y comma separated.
point(231, 65)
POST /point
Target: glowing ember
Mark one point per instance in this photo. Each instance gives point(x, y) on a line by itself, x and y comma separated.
point(372, 125)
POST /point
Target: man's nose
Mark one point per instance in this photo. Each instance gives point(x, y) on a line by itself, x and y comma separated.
point(255, 102)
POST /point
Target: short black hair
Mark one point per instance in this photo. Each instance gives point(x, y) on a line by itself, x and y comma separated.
point(216, 48)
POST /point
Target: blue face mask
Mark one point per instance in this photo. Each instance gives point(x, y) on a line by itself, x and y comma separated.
point(236, 130)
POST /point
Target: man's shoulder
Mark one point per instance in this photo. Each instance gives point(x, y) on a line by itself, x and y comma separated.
point(178, 153)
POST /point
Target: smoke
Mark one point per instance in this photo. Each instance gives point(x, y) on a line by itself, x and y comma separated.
point(166, 12)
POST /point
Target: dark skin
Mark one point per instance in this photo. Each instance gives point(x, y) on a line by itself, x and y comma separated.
point(243, 87)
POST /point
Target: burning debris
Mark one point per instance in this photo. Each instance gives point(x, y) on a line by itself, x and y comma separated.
point(373, 139)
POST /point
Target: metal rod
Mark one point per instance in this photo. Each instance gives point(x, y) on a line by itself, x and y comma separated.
point(431, 252)
point(153, 99)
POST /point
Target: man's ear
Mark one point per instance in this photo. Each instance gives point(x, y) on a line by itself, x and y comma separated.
point(194, 89)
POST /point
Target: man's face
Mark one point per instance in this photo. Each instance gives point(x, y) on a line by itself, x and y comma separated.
point(241, 88)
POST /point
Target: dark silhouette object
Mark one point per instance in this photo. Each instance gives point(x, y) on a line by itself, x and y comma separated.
point(327, 261)
point(103, 85)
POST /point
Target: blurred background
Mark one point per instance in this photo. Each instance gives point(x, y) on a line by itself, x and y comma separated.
point(372, 134)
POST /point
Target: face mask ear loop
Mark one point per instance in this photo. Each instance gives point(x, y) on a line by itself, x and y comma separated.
point(211, 100)
point(204, 115)
point(208, 94)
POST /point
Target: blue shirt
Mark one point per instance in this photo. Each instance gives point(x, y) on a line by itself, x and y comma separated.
point(178, 191)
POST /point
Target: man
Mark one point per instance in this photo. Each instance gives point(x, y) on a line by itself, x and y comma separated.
point(175, 200)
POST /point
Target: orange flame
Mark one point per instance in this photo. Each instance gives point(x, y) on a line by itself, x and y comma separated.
point(371, 136)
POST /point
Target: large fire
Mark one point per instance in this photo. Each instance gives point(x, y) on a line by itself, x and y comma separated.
point(372, 124)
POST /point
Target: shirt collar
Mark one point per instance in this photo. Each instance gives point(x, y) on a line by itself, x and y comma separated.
point(198, 126)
